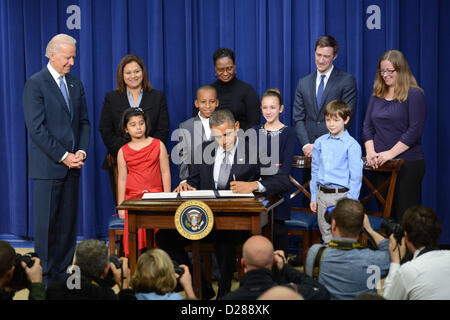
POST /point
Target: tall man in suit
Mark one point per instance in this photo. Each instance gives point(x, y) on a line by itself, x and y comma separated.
point(56, 117)
point(227, 165)
point(316, 90)
point(194, 131)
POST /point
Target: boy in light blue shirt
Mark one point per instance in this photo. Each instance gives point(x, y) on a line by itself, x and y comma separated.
point(336, 167)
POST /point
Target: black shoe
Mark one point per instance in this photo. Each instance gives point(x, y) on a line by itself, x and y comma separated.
point(207, 291)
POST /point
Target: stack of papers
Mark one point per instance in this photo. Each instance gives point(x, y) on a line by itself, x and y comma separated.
point(197, 194)
point(231, 194)
point(159, 195)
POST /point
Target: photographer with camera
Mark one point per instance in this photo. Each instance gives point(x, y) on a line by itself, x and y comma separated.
point(265, 268)
point(95, 273)
point(19, 272)
point(156, 277)
point(344, 266)
point(427, 275)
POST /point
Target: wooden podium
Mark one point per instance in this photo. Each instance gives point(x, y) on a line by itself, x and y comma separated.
point(250, 214)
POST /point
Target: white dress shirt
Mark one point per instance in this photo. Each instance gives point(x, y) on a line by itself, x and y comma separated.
point(55, 76)
point(325, 80)
point(218, 160)
point(206, 127)
point(425, 277)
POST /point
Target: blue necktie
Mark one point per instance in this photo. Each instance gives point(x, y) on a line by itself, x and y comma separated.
point(320, 91)
point(63, 89)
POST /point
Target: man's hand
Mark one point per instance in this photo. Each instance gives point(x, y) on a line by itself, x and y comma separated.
point(243, 187)
point(184, 187)
point(396, 250)
point(118, 276)
point(307, 149)
point(34, 274)
point(313, 206)
point(74, 161)
point(279, 259)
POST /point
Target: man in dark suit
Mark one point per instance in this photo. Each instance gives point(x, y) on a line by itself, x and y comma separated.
point(316, 90)
point(194, 131)
point(242, 176)
point(56, 117)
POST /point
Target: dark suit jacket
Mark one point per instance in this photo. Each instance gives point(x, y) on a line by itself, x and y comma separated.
point(191, 135)
point(202, 175)
point(52, 128)
point(308, 119)
point(154, 105)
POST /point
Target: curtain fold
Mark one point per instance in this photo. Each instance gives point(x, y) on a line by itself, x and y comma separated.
point(274, 45)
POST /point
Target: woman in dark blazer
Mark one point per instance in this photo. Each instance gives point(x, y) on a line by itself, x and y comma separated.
point(133, 90)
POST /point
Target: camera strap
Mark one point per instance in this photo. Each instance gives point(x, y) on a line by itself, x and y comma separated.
point(346, 245)
point(340, 245)
point(317, 260)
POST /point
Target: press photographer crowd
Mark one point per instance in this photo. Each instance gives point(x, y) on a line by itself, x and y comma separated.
point(405, 257)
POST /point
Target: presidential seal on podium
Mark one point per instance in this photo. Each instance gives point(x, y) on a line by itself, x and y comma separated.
point(194, 219)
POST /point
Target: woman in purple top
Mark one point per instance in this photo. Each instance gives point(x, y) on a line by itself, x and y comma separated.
point(393, 128)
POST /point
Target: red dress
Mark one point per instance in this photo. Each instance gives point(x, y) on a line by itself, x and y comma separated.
point(144, 175)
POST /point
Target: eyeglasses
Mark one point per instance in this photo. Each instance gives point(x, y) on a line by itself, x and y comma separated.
point(387, 71)
point(223, 70)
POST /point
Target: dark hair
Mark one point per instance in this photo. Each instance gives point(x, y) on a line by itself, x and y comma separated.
point(223, 53)
point(121, 87)
point(92, 257)
point(422, 227)
point(126, 116)
point(349, 217)
point(7, 257)
point(207, 87)
point(221, 116)
point(273, 93)
point(338, 108)
point(327, 41)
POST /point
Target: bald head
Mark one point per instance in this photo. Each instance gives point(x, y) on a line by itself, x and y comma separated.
point(257, 253)
point(280, 293)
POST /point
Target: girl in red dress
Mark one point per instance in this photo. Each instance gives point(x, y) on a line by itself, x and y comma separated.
point(142, 163)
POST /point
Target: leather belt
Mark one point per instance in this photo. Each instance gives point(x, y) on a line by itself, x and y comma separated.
point(333, 190)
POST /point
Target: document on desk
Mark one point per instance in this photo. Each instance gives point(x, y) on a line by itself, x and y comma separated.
point(159, 195)
point(231, 194)
point(197, 194)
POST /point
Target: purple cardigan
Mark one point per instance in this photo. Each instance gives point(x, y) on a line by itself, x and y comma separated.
point(388, 122)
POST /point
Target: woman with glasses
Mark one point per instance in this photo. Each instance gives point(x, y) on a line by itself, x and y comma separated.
point(393, 128)
point(233, 94)
point(133, 90)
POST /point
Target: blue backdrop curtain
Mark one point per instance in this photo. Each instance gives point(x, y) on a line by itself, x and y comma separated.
point(274, 45)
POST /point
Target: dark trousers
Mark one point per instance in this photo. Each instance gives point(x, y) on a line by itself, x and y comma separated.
point(224, 244)
point(408, 188)
point(55, 224)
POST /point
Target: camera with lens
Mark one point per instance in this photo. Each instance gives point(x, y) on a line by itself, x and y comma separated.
point(109, 279)
point(389, 226)
point(19, 279)
point(329, 214)
point(178, 269)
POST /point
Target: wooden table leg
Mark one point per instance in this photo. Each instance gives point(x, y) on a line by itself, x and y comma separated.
point(132, 241)
point(197, 278)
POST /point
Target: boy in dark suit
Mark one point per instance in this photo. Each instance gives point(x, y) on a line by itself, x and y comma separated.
point(194, 131)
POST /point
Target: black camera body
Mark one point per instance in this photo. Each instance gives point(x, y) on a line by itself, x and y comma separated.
point(19, 279)
point(178, 269)
point(390, 226)
point(109, 279)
